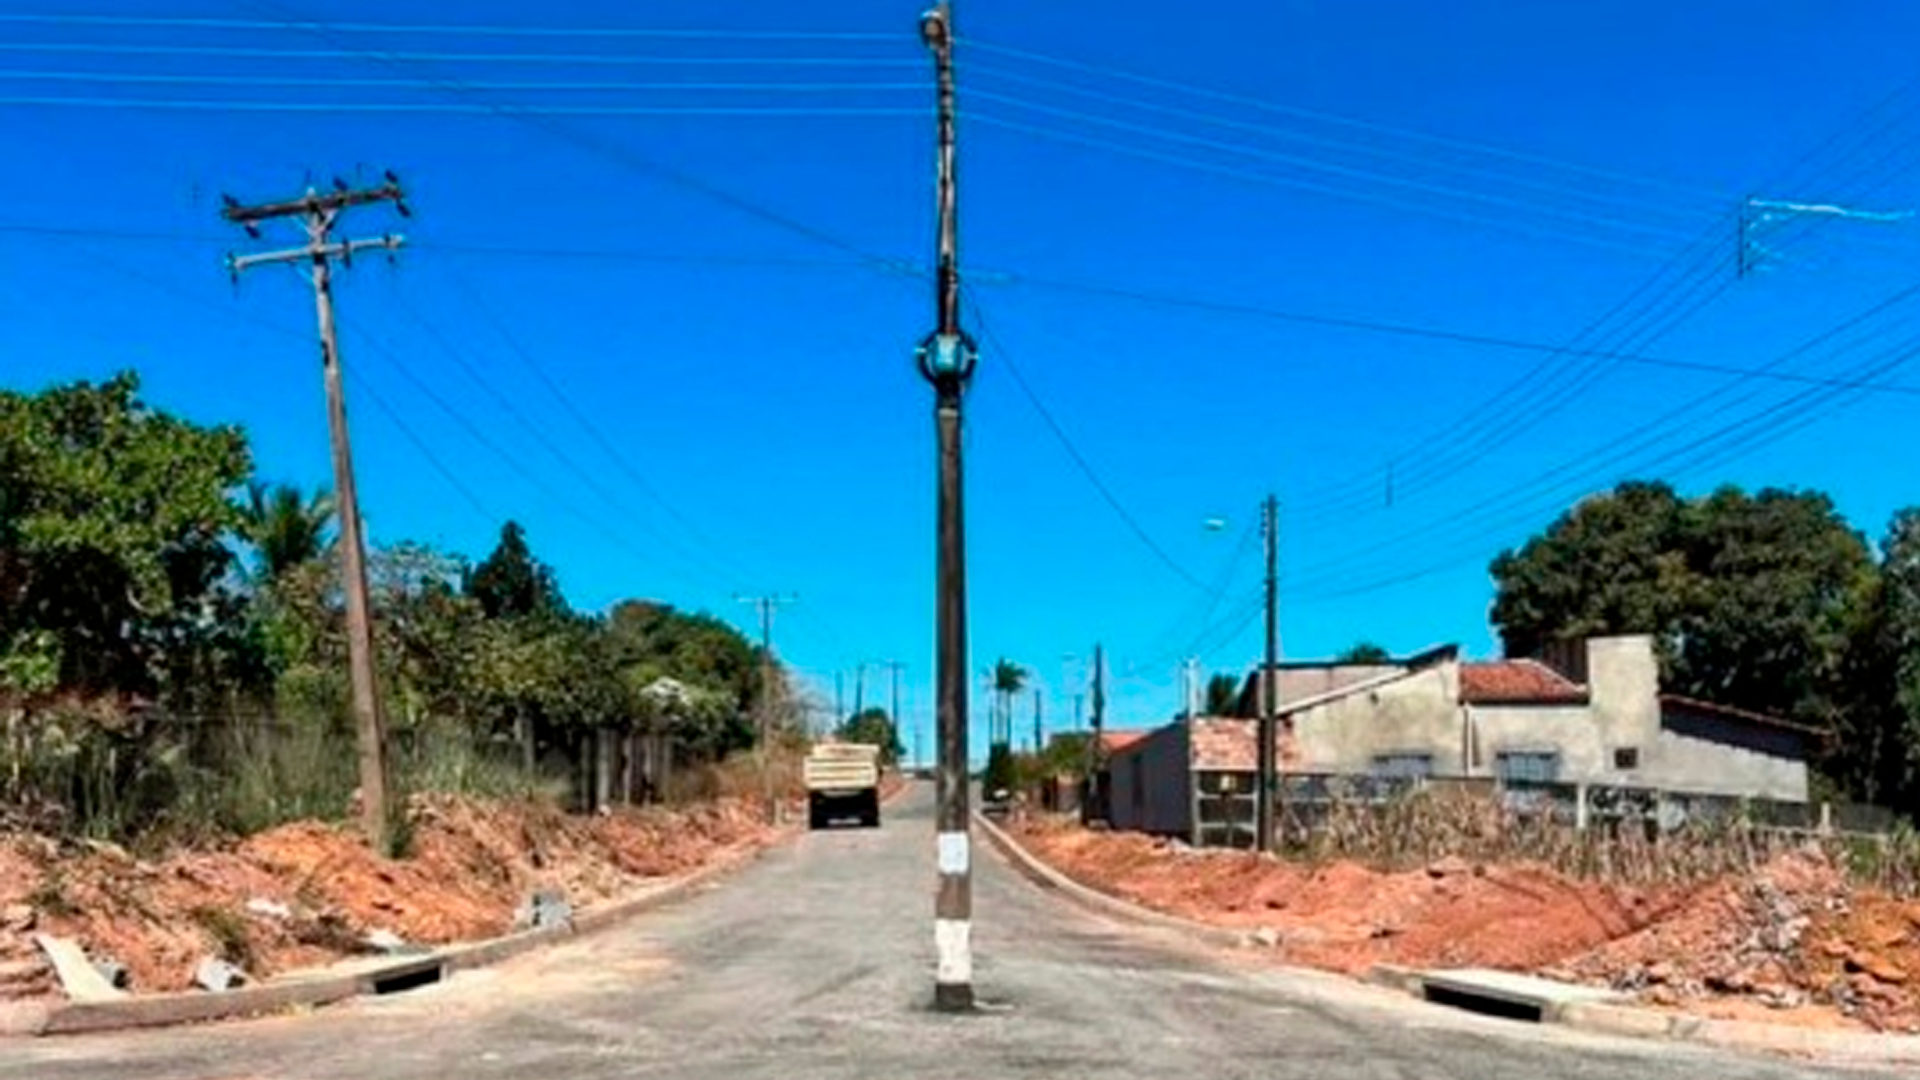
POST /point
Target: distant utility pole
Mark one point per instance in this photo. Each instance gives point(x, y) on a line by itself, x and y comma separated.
point(318, 212)
point(894, 668)
point(1039, 728)
point(1093, 740)
point(767, 605)
point(946, 359)
point(1268, 788)
point(839, 700)
point(860, 688)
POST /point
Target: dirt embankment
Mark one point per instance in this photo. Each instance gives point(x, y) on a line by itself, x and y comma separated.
point(1792, 941)
point(306, 894)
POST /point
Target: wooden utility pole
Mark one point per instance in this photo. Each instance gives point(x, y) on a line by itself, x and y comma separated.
point(1039, 729)
point(1267, 789)
point(946, 359)
point(767, 605)
point(318, 212)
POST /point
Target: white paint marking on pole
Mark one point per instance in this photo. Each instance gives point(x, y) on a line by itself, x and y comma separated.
point(954, 854)
point(953, 947)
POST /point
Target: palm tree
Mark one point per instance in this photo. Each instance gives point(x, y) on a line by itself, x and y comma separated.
point(285, 529)
point(1009, 679)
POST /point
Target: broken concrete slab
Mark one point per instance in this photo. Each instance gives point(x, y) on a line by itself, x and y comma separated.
point(216, 975)
point(383, 940)
point(79, 977)
point(544, 909)
point(270, 909)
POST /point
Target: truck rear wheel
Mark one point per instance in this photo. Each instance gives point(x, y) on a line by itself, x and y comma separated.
point(816, 812)
point(870, 813)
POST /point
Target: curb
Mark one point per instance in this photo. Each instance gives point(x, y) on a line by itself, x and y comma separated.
point(161, 1010)
point(1594, 1017)
point(1047, 877)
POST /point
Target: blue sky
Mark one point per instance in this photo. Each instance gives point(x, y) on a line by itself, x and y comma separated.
point(1519, 172)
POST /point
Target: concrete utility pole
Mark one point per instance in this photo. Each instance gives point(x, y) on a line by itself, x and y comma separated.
point(1268, 788)
point(894, 668)
point(318, 212)
point(767, 605)
point(1093, 742)
point(1039, 728)
point(946, 359)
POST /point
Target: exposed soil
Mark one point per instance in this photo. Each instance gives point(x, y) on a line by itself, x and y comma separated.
point(307, 893)
point(1793, 941)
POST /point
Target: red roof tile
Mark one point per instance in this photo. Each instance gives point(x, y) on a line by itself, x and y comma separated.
point(1111, 741)
point(1515, 682)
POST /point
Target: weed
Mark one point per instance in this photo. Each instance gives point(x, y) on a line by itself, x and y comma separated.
point(231, 939)
point(50, 897)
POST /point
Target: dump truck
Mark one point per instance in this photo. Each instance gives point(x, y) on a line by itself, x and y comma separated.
point(843, 783)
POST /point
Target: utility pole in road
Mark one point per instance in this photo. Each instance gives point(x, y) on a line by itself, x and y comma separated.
point(1268, 791)
point(318, 212)
point(946, 359)
point(767, 605)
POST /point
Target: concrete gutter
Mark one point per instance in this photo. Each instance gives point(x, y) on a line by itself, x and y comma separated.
point(326, 987)
point(1601, 1017)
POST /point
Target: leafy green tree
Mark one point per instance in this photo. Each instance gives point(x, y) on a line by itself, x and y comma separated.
point(873, 726)
point(1364, 652)
point(1223, 694)
point(1748, 596)
point(1876, 745)
point(511, 583)
point(112, 521)
point(284, 528)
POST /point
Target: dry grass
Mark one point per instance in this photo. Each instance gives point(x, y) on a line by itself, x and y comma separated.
point(1420, 828)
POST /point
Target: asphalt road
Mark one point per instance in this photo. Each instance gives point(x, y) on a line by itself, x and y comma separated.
point(817, 962)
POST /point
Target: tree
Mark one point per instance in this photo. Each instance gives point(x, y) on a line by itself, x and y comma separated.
point(1223, 694)
point(112, 520)
point(1009, 679)
point(1876, 745)
point(284, 528)
point(510, 583)
point(1747, 596)
point(875, 727)
point(1364, 652)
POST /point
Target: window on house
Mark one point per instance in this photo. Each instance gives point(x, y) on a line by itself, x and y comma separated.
point(1526, 766)
point(1417, 766)
point(1626, 757)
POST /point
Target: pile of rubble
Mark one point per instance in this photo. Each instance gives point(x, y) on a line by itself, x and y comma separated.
point(1791, 936)
point(1794, 941)
point(308, 893)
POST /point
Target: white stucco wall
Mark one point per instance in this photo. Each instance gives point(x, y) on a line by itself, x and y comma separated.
point(1413, 714)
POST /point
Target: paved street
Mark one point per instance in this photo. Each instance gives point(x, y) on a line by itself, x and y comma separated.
point(817, 962)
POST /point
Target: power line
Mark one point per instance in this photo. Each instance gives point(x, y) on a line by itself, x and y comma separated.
point(340, 82)
point(584, 475)
point(435, 57)
point(1298, 184)
point(1273, 131)
point(1335, 119)
point(1462, 337)
point(1073, 452)
point(366, 389)
point(443, 29)
point(445, 107)
point(1329, 168)
point(1643, 436)
point(520, 353)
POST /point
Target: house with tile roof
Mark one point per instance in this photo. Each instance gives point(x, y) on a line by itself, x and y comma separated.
point(1592, 713)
